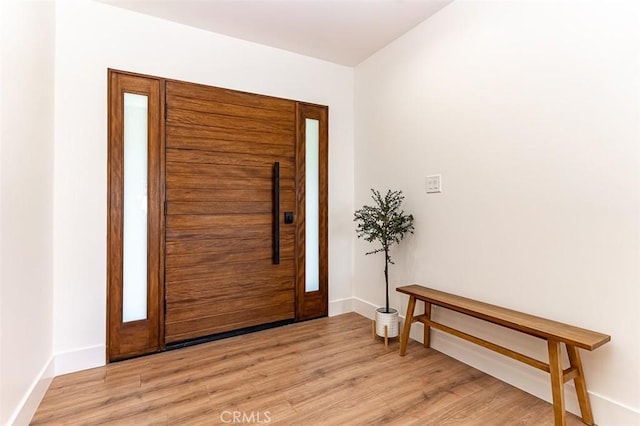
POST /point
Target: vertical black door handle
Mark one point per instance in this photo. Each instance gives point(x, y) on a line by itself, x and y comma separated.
point(276, 213)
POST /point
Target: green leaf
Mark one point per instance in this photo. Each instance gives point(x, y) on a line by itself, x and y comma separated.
point(384, 223)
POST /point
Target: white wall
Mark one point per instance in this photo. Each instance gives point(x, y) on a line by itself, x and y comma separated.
point(26, 200)
point(531, 113)
point(92, 37)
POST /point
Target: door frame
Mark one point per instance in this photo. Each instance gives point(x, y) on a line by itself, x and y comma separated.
point(313, 304)
point(126, 340)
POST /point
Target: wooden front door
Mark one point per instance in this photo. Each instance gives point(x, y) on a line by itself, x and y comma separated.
point(230, 156)
point(233, 191)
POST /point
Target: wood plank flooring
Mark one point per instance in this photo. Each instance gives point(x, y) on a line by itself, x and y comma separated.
point(321, 372)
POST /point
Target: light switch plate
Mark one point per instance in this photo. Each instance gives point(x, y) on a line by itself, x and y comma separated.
point(434, 184)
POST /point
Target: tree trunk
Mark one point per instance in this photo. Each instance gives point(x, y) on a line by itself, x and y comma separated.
point(386, 277)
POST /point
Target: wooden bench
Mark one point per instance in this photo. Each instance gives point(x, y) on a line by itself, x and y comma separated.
point(555, 333)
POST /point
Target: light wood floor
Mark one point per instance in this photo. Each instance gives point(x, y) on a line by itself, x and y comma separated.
point(322, 372)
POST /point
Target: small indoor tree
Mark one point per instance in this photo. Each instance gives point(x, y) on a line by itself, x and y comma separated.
point(385, 223)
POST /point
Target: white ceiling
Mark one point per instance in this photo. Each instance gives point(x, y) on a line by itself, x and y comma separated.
point(341, 31)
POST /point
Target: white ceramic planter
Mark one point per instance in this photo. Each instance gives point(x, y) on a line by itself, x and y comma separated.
point(387, 319)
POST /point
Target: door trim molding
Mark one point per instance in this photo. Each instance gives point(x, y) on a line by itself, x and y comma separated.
point(312, 304)
point(125, 340)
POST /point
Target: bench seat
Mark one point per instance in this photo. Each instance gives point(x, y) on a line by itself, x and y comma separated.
point(554, 332)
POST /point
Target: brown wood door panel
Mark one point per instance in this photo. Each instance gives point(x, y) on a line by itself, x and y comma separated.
point(223, 171)
point(228, 232)
point(219, 271)
point(216, 207)
point(221, 276)
point(201, 195)
point(181, 319)
point(182, 133)
point(220, 108)
point(193, 181)
point(204, 307)
point(230, 158)
point(185, 222)
point(235, 245)
point(224, 274)
point(195, 290)
point(233, 147)
point(197, 260)
point(178, 332)
point(218, 121)
point(260, 253)
point(232, 97)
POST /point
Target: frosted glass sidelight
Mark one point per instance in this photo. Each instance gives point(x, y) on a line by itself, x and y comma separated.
point(312, 208)
point(134, 263)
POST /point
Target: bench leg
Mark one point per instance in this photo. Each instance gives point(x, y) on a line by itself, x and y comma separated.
point(581, 385)
point(406, 330)
point(557, 383)
point(426, 341)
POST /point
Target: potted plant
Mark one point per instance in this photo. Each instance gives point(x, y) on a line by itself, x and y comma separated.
point(384, 223)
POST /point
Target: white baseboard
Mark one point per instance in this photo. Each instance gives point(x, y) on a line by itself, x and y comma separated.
point(31, 400)
point(614, 412)
point(340, 306)
point(605, 411)
point(62, 363)
point(364, 308)
point(80, 359)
